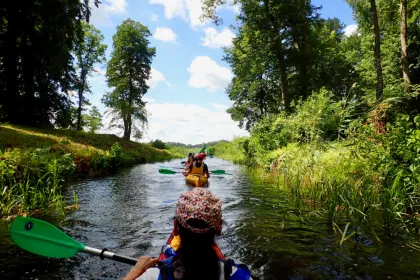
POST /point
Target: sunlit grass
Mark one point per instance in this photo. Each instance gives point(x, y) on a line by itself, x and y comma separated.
point(35, 162)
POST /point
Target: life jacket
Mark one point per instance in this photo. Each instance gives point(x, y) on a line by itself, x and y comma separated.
point(198, 170)
point(170, 265)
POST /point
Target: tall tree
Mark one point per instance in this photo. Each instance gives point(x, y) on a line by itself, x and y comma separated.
point(404, 42)
point(88, 52)
point(127, 73)
point(361, 8)
point(36, 72)
point(377, 51)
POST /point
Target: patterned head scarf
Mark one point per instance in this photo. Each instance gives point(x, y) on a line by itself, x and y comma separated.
point(199, 204)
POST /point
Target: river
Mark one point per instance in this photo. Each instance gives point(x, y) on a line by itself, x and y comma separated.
point(131, 213)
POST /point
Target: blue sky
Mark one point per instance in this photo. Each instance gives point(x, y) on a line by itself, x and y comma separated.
point(186, 100)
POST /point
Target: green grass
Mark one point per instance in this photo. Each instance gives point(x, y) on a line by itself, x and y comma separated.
point(335, 181)
point(35, 162)
point(233, 151)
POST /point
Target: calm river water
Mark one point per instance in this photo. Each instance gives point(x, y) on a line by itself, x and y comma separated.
point(132, 213)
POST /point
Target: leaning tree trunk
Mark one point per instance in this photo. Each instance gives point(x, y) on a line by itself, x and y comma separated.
point(404, 44)
point(377, 51)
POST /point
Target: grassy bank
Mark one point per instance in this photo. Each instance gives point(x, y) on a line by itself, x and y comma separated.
point(365, 178)
point(35, 162)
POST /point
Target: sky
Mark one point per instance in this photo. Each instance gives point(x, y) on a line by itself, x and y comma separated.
point(186, 101)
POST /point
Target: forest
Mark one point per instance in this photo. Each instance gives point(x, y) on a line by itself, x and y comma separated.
point(333, 116)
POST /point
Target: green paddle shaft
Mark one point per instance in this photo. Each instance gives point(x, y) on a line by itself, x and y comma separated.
point(44, 239)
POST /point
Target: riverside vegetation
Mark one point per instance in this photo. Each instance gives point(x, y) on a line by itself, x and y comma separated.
point(34, 164)
point(333, 117)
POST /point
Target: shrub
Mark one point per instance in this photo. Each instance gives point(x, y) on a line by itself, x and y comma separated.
point(158, 144)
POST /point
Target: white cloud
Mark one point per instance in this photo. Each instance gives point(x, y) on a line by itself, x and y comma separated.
point(170, 123)
point(189, 10)
point(156, 78)
point(350, 29)
point(101, 16)
point(98, 75)
point(206, 73)
point(154, 17)
point(214, 39)
point(219, 107)
point(164, 34)
point(173, 8)
point(235, 8)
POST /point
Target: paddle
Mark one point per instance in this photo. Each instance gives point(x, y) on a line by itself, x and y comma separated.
point(46, 240)
point(170, 172)
point(183, 162)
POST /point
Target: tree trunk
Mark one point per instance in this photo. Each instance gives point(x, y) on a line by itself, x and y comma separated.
point(10, 102)
point(404, 45)
point(377, 50)
point(28, 115)
point(283, 75)
point(127, 126)
point(284, 89)
point(79, 109)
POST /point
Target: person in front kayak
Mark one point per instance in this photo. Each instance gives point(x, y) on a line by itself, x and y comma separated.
point(198, 219)
point(190, 160)
point(199, 167)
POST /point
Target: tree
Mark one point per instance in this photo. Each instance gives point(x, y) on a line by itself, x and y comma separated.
point(93, 120)
point(378, 62)
point(36, 70)
point(404, 42)
point(127, 73)
point(361, 7)
point(88, 52)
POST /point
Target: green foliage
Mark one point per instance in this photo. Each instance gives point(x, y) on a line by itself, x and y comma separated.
point(88, 52)
point(127, 73)
point(93, 120)
point(35, 162)
point(158, 144)
point(316, 119)
point(37, 71)
point(235, 151)
point(31, 180)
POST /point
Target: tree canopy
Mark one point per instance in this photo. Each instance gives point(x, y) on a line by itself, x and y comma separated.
point(127, 73)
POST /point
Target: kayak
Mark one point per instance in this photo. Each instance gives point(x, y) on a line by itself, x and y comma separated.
point(174, 241)
point(197, 180)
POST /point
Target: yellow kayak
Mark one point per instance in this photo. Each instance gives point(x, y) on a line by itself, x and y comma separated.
point(197, 180)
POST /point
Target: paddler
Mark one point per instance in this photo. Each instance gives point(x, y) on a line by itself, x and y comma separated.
point(199, 167)
point(198, 220)
point(190, 161)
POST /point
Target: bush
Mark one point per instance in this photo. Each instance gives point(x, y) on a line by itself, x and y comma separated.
point(158, 144)
point(316, 119)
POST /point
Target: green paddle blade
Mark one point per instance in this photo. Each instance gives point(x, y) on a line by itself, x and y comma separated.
point(203, 149)
point(167, 171)
point(43, 239)
point(183, 162)
point(218, 172)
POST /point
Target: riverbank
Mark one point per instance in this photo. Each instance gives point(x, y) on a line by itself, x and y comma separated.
point(360, 176)
point(36, 162)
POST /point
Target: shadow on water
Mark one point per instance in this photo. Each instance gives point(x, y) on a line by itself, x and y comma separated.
point(131, 213)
